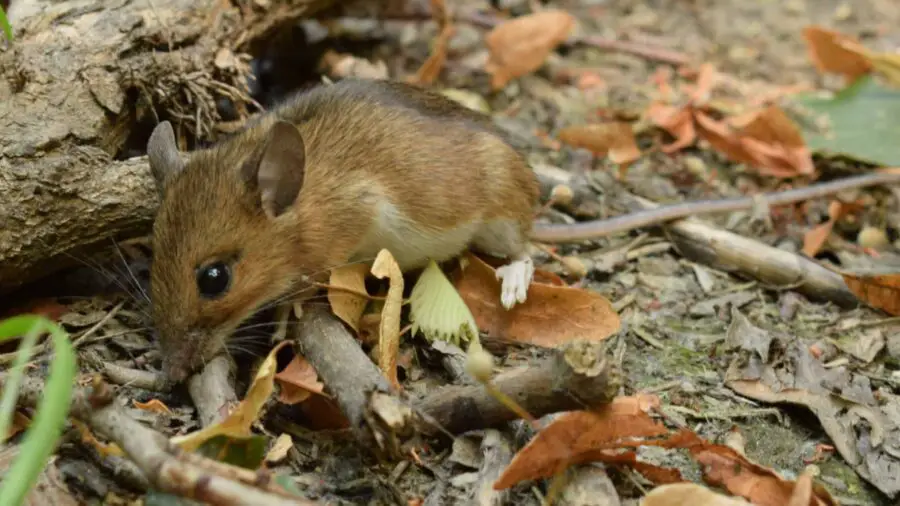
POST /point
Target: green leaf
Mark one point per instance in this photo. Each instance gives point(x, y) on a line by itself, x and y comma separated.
point(437, 310)
point(861, 122)
point(4, 23)
point(46, 427)
point(244, 452)
point(288, 484)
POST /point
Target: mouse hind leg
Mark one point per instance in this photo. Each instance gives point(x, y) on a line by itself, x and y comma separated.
point(508, 238)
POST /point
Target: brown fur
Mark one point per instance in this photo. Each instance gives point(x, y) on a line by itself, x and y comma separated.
point(367, 143)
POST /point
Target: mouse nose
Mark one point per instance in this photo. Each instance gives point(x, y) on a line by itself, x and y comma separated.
point(174, 371)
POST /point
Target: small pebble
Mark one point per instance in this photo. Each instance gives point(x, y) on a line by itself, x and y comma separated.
point(872, 237)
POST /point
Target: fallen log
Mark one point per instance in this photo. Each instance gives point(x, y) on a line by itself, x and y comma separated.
point(81, 87)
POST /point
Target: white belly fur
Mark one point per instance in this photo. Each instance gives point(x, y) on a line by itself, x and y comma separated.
point(411, 244)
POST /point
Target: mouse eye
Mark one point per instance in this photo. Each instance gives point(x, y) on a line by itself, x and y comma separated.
point(213, 280)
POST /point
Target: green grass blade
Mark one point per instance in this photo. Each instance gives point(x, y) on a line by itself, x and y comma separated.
point(46, 427)
point(4, 23)
point(10, 393)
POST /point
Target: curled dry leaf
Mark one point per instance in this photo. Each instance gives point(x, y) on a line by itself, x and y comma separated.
point(815, 238)
point(678, 121)
point(346, 285)
point(767, 140)
point(880, 291)
point(829, 52)
point(725, 467)
point(579, 436)
point(237, 424)
point(431, 69)
point(688, 494)
point(520, 46)
point(298, 381)
point(153, 406)
point(389, 328)
point(552, 314)
point(615, 139)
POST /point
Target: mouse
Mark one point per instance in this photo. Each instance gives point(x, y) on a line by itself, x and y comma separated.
point(330, 176)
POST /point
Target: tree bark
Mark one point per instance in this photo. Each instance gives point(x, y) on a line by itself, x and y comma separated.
point(81, 83)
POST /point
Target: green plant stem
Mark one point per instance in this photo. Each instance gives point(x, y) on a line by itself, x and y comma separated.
point(49, 419)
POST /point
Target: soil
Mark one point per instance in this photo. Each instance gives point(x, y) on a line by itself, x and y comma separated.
point(670, 343)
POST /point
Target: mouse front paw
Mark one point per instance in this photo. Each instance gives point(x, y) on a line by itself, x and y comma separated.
point(515, 278)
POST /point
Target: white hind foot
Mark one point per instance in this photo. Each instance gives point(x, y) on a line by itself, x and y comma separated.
point(515, 278)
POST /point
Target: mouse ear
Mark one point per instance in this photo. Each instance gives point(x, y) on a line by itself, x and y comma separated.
point(165, 161)
point(279, 174)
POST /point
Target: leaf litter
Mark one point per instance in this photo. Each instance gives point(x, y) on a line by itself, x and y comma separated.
point(764, 137)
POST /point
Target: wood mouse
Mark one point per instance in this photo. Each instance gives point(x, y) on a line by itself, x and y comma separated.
point(329, 177)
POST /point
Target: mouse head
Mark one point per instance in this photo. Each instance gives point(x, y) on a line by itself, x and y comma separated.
point(225, 239)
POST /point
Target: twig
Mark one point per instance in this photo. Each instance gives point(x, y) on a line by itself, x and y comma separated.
point(658, 215)
point(164, 465)
point(212, 390)
point(578, 376)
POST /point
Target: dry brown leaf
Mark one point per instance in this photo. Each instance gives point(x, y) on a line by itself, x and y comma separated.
point(688, 494)
point(238, 423)
point(345, 304)
point(153, 406)
point(678, 121)
point(298, 381)
point(431, 68)
point(520, 46)
point(323, 413)
point(579, 436)
point(815, 238)
point(552, 315)
point(766, 140)
point(880, 291)
point(20, 422)
point(389, 328)
point(775, 138)
point(615, 139)
point(829, 53)
point(725, 467)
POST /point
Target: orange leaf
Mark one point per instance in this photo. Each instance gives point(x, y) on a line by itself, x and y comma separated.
point(577, 435)
point(520, 46)
point(723, 466)
point(551, 315)
point(47, 307)
point(828, 53)
point(678, 121)
point(153, 406)
point(615, 139)
point(771, 126)
point(815, 238)
point(880, 291)
point(298, 381)
point(723, 138)
point(323, 413)
point(431, 69)
point(20, 422)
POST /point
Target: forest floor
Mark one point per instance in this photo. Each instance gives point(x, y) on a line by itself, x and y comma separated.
point(684, 325)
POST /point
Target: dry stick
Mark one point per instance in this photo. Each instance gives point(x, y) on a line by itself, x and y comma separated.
point(349, 374)
point(643, 50)
point(662, 214)
point(577, 376)
point(212, 390)
point(163, 464)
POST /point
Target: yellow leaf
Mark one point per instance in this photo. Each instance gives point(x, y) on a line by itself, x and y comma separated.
point(237, 423)
point(389, 328)
point(345, 304)
point(438, 311)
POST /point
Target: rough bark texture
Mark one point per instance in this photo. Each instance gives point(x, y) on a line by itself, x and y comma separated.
point(79, 83)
